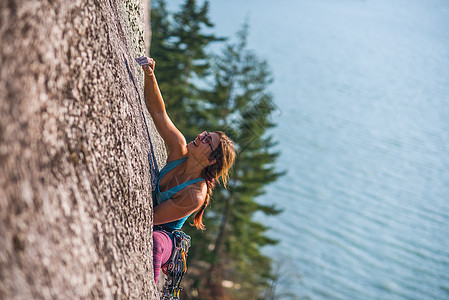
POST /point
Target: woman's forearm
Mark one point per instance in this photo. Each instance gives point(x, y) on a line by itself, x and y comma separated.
point(175, 141)
point(153, 97)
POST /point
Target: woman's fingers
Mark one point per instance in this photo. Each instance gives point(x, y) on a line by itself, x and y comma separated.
point(147, 64)
point(143, 60)
point(147, 69)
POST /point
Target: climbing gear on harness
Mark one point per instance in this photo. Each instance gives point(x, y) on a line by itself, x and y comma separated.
point(176, 266)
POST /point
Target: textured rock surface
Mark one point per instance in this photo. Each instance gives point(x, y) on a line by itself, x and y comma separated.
point(75, 177)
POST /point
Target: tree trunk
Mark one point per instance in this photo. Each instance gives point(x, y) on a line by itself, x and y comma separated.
point(75, 175)
point(215, 276)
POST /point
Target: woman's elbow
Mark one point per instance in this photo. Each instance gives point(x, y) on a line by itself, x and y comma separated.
point(157, 218)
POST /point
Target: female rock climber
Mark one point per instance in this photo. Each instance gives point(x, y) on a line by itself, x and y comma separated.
point(186, 182)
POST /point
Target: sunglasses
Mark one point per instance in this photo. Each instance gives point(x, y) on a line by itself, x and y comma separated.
point(205, 138)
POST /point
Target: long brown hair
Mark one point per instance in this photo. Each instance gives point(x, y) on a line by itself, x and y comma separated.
point(224, 155)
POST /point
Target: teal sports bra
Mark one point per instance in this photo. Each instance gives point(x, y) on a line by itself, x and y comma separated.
point(159, 197)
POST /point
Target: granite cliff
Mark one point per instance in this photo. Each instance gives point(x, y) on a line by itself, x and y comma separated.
point(76, 164)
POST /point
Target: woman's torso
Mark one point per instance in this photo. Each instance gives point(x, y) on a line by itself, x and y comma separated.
point(163, 194)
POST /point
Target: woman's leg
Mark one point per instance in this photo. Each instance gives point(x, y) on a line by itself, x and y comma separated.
point(162, 248)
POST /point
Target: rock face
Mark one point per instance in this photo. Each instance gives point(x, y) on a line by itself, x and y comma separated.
point(76, 164)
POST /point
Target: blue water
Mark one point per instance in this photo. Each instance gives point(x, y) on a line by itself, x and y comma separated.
point(362, 90)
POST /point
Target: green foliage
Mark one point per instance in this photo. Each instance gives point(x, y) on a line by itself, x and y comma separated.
point(237, 102)
point(179, 44)
point(240, 98)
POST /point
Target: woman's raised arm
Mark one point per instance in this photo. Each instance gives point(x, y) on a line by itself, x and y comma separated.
point(174, 139)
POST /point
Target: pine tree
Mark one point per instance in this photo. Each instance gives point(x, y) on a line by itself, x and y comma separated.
point(241, 104)
point(163, 48)
point(179, 45)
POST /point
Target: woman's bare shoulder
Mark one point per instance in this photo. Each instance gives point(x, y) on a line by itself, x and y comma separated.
point(177, 152)
point(194, 194)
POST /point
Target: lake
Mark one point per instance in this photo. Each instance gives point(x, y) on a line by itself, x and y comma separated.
point(362, 95)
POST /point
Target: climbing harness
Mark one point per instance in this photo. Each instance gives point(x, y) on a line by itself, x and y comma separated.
point(175, 268)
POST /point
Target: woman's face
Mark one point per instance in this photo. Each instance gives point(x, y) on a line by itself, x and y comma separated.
point(203, 145)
